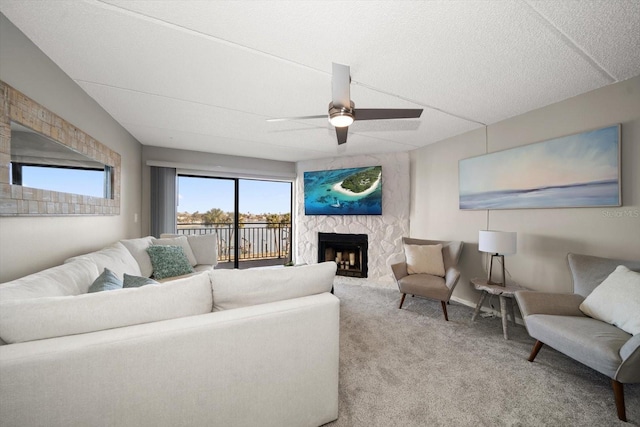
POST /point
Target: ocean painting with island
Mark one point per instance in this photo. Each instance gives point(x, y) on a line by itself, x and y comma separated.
point(578, 170)
point(352, 191)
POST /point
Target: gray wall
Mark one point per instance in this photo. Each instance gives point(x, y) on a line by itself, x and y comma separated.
point(29, 244)
point(544, 235)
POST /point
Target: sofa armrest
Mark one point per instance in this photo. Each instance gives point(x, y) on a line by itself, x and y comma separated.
point(399, 270)
point(629, 370)
point(531, 302)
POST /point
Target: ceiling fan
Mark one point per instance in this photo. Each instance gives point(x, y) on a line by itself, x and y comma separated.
point(342, 111)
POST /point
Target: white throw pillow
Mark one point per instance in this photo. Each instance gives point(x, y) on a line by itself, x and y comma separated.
point(138, 248)
point(616, 300)
point(424, 259)
point(40, 318)
point(178, 241)
point(205, 248)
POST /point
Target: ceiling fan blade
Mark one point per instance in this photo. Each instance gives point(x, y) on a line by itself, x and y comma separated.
point(342, 134)
point(386, 113)
point(284, 119)
point(340, 81)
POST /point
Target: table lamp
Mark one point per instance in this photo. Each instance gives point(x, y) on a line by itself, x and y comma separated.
point(498, 244)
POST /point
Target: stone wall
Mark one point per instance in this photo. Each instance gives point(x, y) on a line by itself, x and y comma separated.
point(385, 231)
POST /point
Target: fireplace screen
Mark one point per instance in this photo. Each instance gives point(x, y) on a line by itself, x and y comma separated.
point(349, 251)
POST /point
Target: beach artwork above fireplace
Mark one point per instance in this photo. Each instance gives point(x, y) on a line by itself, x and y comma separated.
point(352, 191)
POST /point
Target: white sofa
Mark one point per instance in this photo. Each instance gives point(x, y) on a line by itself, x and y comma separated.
point(218, 347)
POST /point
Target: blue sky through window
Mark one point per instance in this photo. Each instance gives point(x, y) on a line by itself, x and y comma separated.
point(202, 194)
point(75, 181)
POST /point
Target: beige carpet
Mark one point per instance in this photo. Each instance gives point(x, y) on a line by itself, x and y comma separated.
point(411, 368)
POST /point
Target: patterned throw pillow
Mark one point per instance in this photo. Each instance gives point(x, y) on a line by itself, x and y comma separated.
point(107, 281)
point(181, 241)
point(137, 281)
point(168, 261)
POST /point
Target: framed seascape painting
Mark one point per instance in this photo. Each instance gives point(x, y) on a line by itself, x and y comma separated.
point(352, 191)
point(580, 170)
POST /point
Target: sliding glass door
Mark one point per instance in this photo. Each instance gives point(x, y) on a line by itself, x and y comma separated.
point(252, 218)
point(207, 205)
point(265, 222)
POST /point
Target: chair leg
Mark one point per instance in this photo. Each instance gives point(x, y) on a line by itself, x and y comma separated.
point(618, 393)
point(536, 348)
point(402, 300)
point(444, 310)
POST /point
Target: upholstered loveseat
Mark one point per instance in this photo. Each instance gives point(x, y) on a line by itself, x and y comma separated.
point(559, 320)
point(216, 347)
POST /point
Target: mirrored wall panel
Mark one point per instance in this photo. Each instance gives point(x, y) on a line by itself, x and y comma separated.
point(50, 167)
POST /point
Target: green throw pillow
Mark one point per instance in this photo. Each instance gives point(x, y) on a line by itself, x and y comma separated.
point(168, 261)
point(107, 281)
point(137, 281)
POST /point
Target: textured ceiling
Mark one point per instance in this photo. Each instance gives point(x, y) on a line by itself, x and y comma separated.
point(204, 75)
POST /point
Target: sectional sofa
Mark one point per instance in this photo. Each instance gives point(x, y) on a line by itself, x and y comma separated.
point(214, 347)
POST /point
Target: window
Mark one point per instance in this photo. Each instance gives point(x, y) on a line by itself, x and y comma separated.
point(251, 217)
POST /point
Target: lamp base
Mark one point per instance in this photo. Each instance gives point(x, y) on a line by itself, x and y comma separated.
point(489, 274)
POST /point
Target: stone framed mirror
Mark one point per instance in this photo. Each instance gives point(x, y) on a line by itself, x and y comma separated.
point(49, 167)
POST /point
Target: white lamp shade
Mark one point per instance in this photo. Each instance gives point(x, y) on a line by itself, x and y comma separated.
point(497, 242)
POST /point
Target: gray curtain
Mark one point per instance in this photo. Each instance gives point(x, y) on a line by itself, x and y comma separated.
point(163, 200)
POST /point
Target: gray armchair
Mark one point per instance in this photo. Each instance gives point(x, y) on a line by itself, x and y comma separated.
point(556, 320)
point(425, 285)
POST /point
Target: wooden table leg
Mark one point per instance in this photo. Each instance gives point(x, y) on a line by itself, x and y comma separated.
point(503, 313)
point(512, 311)
point(483, 294)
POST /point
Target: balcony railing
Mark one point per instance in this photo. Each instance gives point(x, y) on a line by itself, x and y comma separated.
point(258, 240)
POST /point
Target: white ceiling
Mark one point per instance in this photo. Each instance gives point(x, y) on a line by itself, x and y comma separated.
point(204, 75)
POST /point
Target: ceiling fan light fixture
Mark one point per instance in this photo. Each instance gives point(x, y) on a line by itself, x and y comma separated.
point(341, 116)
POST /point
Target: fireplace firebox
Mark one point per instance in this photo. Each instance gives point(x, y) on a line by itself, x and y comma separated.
point(349, 251)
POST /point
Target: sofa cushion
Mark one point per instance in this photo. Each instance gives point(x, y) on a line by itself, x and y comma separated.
point(181, 241)
point(168, 261)
point(106, 281)
point(115, 257)
point(589, 341)
point(424, 259)
point(205, 248)
point(241, 288)
point(616, 300)
point(72, 278)
point(137, 281)
point(421, 283)
point(40, 318)
point(589, 271)
point(203, 267)
point(138, 248)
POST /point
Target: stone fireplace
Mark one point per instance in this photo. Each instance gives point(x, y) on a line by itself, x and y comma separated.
point(349, 251)
point(384, 231)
